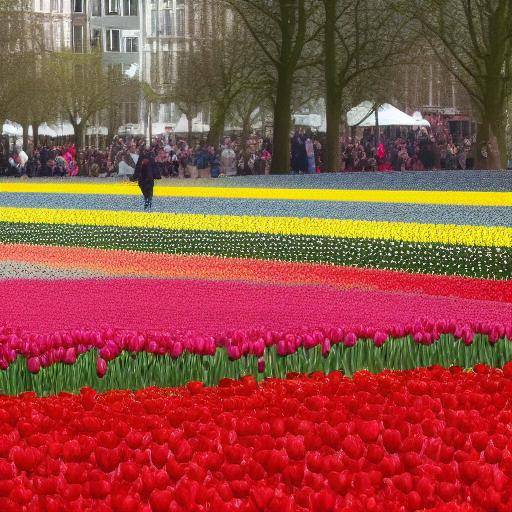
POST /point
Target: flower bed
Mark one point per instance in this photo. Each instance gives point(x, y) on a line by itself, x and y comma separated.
point(234, 280)
point(428, 439)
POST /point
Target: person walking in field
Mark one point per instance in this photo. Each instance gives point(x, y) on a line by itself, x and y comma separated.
point(146, 172)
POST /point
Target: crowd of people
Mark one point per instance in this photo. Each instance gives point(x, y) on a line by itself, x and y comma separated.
point(400, 150)
point(173, 158)
point(408, 150)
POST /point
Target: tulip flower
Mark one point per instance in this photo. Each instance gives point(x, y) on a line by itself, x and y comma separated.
point(101, 367)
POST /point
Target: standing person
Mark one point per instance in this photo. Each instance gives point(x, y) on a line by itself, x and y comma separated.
point(145, 173)
point(23, 159)
point(298, 153)
point(228, 161)
point(310, 154)
point(213, 162)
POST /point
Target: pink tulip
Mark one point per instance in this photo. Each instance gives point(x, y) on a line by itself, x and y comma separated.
point(233, 352)
point(70, 356)
point(176, 350)
point(309, 342)
point(261, 365)
point(379, 338)
point(258, 347)
point(350, 339)
point(34, 365)
point(326, 347)
point(101, 367)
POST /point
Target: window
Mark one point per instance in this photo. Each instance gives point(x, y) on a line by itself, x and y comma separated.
point(180, 22)
point(168, 23)
point(130, 7)
point(132, 44)
point(154, 22)
point(96, 8)
point(78, 38)
point(113, 42)
point(112, 7)
point(54, 5)
point(96, 38)
point(78, 6)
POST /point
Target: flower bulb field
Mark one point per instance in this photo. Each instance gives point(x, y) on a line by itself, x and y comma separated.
point(291, 344)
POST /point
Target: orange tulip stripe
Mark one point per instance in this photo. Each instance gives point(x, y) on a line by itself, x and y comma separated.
point(139, 264)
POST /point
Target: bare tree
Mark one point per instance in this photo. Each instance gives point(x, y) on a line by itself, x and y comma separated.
point(287, 36)
point(189, 91)
point(473, 39)
point(362, 39)
point(84, 87)
point(228, 62)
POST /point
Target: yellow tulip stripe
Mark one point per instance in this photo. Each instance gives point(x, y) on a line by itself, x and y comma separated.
point(460, 198)
point(398, 231)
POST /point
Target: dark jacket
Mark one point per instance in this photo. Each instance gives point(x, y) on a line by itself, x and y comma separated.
point(146, 170)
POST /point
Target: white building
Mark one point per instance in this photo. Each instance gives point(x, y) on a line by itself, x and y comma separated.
point(55, 17)
point(116, 28)
point(167, 30)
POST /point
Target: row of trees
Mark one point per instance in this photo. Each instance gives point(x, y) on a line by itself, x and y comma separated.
point(346, 47)
point(280, 55)
point(270, 58)
point(38, 85)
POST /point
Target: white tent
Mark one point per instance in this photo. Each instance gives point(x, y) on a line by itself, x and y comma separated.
point(311, 120)
point(364, 116)
point(44, 131)
point(97, 130)
point(63, 129)
point(12, 129)
point(197, 125)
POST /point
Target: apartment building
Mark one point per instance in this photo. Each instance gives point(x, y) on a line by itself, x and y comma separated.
point(54, 18)
point(116, 28)
point(80, 36)
point(171, 27)
point(167, 28)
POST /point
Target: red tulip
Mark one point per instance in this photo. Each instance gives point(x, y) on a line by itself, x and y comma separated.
point(161, 501)
point(392, 440)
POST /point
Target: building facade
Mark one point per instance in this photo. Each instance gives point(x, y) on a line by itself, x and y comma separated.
point(167, 27)
point(115, 27)
point(80, 33)
point(54, 20)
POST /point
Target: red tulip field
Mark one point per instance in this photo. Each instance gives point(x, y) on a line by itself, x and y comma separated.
point(332, 349)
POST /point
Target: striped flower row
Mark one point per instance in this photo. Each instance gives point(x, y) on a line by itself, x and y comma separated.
point(333, 228)
point(429, 258)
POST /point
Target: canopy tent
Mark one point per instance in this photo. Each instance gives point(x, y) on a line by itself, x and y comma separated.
point(159, 128)
point(64, 129)
point(309, 120)
point(197, 125)
point(97, 130)
point(364, 116)
point(44, 131)
point(131, 129)
point(12, 129)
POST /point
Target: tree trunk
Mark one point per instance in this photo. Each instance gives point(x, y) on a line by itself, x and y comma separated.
point(25, 135)
point(217, 127)
point(282, 124)
point(332, 94)
point(189, 128)
point(246, 130)
point(35, 133)
point(79, 135)
point(494, 141)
